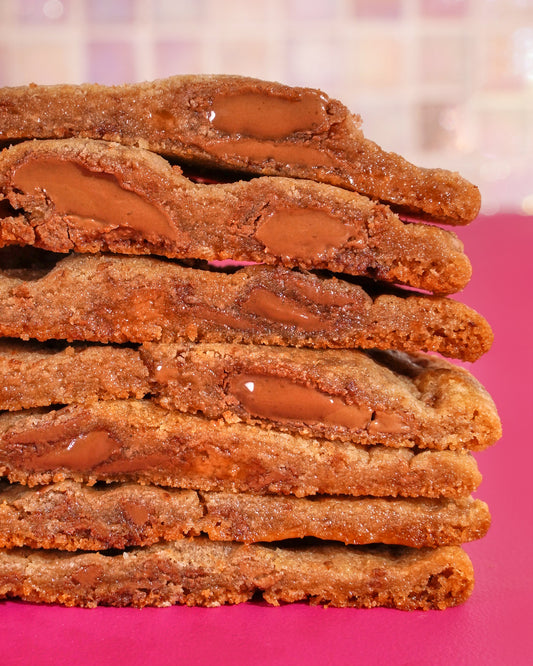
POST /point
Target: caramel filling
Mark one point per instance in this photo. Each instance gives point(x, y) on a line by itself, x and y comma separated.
point(270, 306)
point(92, 199)
point(267, 116)
point(302, 233)
point(80, 453)
point(282, 399)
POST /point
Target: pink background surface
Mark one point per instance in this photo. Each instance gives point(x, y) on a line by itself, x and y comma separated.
point(493, 627)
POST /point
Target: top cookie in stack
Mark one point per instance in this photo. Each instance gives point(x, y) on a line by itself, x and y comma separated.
point(154, 169)
point(243, 125)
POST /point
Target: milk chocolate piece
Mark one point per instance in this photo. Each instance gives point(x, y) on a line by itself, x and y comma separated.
point(146, 299)
point(70, 516)
point(390, 398)
point(210, 573)
point(148, 444)
point(90, 196)
point(280, 399)
point(242, 124)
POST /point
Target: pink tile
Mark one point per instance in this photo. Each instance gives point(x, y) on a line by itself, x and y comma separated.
point(247, 57)
point(110, 62)
point(110, 11)
point(518, 9)
point(313, 63)
point(177, 57)
point(377, 9)
point(503, 132)
point(43, 11)
point(237, 13)
point(43, 63)
point(374, 61)
point(4, 66)
point(385, 123)
point(312, 9)
point(437, 126)
point(178, 10)
point(506, 62)
point(444, 8)
point(523, 53)
point(443, 59)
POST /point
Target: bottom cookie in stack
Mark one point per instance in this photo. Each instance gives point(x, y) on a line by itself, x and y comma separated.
point(210, 573)
point(224, 502)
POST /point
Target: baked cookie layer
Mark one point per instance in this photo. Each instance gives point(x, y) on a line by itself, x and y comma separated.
point(91, 196)
point(70, 516)
point(146, 299)
point(55, 373)
point(242, 124)
point(200, 572)
point(138, 441)
point(390, 398)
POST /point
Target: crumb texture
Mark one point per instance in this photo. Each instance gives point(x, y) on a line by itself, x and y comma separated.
point(209, 573)
point(82, 297)
point(71, 516)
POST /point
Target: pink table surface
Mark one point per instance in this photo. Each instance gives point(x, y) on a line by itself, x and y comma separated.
point(494, 627)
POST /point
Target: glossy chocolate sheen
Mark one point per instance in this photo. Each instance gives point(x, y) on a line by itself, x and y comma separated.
point(303, 233)
point(81, 452)
point(95, 199)
point(282, 399)
point(284, 310)
point(305, 155)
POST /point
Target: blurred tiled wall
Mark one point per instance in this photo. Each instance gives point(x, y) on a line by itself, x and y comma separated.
point(445, 82)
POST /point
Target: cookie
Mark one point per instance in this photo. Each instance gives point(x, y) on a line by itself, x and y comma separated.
point(201, 572)
point(91, 196)
point(71, 516)
point(241, 124)
point(54, 373)
point(137, 441)
point(146, 299)
point(390, 398)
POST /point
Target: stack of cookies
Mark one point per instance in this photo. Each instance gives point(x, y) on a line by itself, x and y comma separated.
point(177, 430)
